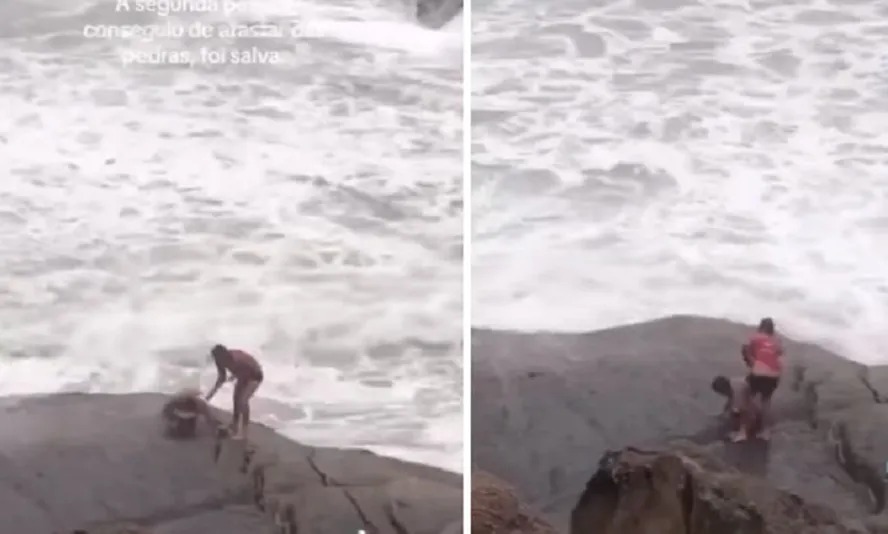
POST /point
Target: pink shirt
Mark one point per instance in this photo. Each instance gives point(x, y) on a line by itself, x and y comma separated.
point(765, 350)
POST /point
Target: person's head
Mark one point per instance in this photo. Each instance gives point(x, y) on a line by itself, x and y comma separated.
point(220, 354)
point(766, 326)
point(722, 386)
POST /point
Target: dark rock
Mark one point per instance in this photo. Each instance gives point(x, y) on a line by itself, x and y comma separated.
point(101, 464)
point(496, 509)
point(113, 528)
point(436, 13)
point(688, 492)
point(546, 406)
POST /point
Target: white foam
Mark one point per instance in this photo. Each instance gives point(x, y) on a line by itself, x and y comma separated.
point(397, 35)
point(302, 212)
point(760, 188)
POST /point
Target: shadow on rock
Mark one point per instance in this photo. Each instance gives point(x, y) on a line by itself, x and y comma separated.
point(750, 456)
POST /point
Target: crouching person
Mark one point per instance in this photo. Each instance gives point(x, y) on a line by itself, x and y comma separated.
point(738, 405)
point(182, 412)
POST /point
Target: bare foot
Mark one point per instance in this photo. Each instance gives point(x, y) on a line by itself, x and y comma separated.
point(737, 437)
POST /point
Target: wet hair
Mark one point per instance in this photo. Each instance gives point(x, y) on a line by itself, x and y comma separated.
point(722, 386)
point(219, 351)
point(766, 326)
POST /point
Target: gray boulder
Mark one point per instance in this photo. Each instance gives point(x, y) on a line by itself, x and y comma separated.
point(546, 407)
point(101, 464)
point(436, 13)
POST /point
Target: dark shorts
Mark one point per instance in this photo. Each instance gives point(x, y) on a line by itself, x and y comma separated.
point(252, 375)
point(762, 385)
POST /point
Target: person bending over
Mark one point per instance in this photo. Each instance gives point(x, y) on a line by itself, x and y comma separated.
point(247, 374)
point(763, 356)
point(736, 393)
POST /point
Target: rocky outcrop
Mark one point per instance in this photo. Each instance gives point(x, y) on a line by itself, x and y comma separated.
point(436, 13)
point(546, 407)
point(687, 492)
point(496, 509)
point(101, 464)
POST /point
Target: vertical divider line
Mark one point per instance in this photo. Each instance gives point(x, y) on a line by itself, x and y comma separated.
point(467, 264)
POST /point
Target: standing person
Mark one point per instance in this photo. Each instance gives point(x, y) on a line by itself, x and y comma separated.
point(762, 354)
point(247, 373)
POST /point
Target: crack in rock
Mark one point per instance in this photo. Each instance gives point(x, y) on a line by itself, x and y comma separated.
point(281, 488)
point(325, 480)
point(865, 379)
point(855, 466)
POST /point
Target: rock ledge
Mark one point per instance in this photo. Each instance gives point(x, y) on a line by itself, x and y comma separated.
point(100, 464)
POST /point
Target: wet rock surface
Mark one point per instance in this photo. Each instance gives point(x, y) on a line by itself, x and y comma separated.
point(546, 407)
point(101, 464)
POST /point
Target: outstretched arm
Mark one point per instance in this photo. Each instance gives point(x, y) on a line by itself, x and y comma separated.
point(220, 379)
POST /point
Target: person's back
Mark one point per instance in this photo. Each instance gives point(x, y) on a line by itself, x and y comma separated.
point(244, 366)
point(764, 353)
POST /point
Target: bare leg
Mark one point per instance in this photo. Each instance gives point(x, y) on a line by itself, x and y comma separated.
point(750, 419)
point(245, 418)
point(247, 393)
point(741, 433)
point(236, 408)
point(765, 432)
point(738, 426)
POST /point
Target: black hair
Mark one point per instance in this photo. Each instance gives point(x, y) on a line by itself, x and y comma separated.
point(722, 386)
point(219, 351)
point(766, 326)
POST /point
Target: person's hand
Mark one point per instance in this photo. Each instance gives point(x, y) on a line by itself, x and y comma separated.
point(231, 378)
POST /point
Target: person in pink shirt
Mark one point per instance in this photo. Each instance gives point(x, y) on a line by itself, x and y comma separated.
point(763, 356)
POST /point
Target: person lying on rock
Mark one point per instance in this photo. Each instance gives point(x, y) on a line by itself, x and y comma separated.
point(762, 354)
point(247, 373)
point(738, 402)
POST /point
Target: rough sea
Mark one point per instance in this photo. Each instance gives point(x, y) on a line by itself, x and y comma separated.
point(637, 159)
point(292, 190)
